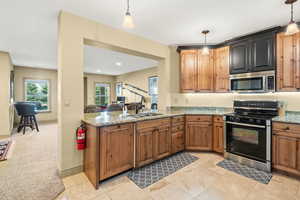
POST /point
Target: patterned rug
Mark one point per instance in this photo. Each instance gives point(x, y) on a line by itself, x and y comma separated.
point(149, 174)
point(4, 147)
point(249, 172)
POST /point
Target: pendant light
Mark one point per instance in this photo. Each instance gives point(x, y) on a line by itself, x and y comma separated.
point(128, 21)
point(205, 50)
point(292, 28)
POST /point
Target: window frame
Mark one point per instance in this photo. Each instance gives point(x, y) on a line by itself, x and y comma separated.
point(116, 86)
point(109, 96)
point(48, 96)
point(149, 90)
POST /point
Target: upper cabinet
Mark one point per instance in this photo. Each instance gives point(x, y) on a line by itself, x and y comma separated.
point(205, 73)
point(205, 69)
point(288, 62)
point(188, 71)
point(239, 59)
point(221, 69)
point(254, 54)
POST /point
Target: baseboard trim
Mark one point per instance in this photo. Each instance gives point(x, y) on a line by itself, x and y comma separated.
point(69, 172)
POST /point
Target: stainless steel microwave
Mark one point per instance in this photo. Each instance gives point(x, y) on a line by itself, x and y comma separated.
point(256, 82)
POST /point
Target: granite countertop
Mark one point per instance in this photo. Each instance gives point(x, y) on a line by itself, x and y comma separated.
point(111, 118)
point(289, 117)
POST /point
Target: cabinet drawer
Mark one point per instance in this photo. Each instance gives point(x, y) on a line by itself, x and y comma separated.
point(117, 127)
point(198, 118)
point(177, 142)
point(178, 119)
point(278, 126)
point(218, 119)
point(154, 123)
point(177, 128)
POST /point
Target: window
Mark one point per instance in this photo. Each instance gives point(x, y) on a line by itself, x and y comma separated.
point(153, 88)
point(102, 96)
point(38, 91)
point(119, 89)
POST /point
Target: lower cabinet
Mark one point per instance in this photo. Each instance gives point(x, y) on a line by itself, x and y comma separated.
point(286, 148)
point(198, 133)
point(116, 149)
point(153, 141)
point(218, 137)
point(178, 134)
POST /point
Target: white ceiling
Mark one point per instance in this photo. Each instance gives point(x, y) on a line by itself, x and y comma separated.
point(28, 28)
point(104, 61)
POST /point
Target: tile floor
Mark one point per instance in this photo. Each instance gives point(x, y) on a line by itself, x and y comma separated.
point(201, 180)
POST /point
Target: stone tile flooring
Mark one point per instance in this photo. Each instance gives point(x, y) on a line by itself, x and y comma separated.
point(201, 180)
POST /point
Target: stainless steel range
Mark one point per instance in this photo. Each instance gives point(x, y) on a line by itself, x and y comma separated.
point(248, 133)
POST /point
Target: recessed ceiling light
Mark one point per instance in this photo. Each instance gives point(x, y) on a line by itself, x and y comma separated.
point(98, 71)
point(118, 63)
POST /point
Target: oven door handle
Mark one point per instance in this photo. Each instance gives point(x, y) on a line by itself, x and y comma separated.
point(243, 124)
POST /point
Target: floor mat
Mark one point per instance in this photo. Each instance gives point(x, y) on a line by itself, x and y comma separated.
point(149, 174)
point(4, 147)
point(258, 175)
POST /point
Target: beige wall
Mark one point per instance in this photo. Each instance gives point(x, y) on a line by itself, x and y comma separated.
point(139, 79)
point(6, 103)
point(290, 99)
point(22, 73)
point(73, 33)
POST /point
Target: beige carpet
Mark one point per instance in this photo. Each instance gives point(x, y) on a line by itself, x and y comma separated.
point(31, 172)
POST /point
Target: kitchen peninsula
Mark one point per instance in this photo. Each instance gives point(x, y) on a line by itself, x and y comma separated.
point(116, 143)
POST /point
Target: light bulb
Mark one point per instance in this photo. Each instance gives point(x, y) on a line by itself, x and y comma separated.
point(128, 21)
point(292, 28)
point(205, 51)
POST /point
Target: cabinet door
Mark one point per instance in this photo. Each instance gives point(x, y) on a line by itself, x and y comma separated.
point(116, 150)
point(177, 142)
point(218, 137)
point(205, 77)
point(163, 142)
point(145, 146)
point(239, 57)
point(198, 136)
point(221, 69)
point(188, 72)
point(286, 63)
point(262, 53)
point(285, 153)
point(297, 40)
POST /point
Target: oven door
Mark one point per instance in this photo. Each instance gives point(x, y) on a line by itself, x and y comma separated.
point(247, 140)
point(248, 84)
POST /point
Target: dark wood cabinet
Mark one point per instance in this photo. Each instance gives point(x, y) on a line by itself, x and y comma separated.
point(285, 144)
point(239, 57)
point(253, 54)
point(198, 133)
point(288, 62)
point(153, 141)
point(262, 53)
point(116, 150)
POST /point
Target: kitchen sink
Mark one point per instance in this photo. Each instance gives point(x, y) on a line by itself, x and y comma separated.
point(147, 114)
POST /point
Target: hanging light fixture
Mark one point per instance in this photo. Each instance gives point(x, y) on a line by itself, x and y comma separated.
point(205, 50)
point(292, 28)
point(128, 21)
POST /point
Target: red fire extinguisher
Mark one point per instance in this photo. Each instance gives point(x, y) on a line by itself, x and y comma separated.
point(80, 137)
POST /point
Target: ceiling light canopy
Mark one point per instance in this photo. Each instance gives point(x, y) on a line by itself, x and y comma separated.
point(292, 28)
point(118, 63)
point(205, 49)
point(128, 20)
